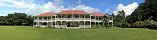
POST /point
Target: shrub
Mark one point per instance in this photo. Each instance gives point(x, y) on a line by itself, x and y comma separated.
point(118, 24)
point(151, 24)
point(108, 26)
point(126, 25)
point(139, 24)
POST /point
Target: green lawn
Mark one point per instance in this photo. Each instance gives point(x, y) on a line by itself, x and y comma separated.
point(29, 33)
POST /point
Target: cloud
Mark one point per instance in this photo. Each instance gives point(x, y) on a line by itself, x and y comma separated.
point(32, 8)
point(15, 3)
point(85, 8)
point(127, 9)
point(54, 6)
point(1, 4)
point(81, 6)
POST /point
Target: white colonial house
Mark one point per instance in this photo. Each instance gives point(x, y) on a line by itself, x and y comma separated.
point(68, 19)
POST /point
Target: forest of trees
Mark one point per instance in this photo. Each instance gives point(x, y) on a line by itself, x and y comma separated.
point(145, 16)
point(16, 19)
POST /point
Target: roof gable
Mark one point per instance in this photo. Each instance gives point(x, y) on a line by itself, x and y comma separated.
point(98, 14)
point(47, 14)
point(72, 12)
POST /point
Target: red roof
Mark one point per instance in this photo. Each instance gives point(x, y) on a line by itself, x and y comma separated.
point(98, 14)
point(47, 14)
point(72, 12)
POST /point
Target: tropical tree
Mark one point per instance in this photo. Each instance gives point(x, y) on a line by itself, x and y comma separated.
point(119, 19)
point(106, 21)
point(146, 10)
point(16, 19)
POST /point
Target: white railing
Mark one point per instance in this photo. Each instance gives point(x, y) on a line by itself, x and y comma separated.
point(95, 20)
point(66, 25)
point(72, 18)
point(43, 20)
point(110, 20)
point(67, 19)
point(63, 26)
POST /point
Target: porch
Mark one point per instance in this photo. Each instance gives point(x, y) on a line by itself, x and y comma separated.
point(64, 24)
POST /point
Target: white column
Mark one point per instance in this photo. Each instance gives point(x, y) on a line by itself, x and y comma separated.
point(47, 24)
point(79, 21)
point(98, 20)
point(37, 23)
point(61, 24)
point(79, 17)
point(84, 23)
point(66, 20)
point(61, 21)
point(41, 18)
point(66, 17)
point(66, 24)
point(51, 24)
point(90, 20)
point(37, 18)
point(103, 22)
point(84, 17)
point(61, 17)
point(51, 21)
point(95, 20)
point(42, 24)
point(55, 20)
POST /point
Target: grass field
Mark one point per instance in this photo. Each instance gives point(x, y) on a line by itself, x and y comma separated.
point(29, 33)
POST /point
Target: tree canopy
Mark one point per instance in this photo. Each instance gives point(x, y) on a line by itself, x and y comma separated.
point(119, 19)
point(146, 10)
point(16, 19)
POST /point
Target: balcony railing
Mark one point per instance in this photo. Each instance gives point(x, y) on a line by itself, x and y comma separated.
point(44, 20)
point(84, 26)
point(110, 20)
point(95, 20)
point(81, 26)
point(72, 18)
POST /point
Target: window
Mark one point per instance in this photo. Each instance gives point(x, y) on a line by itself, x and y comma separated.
point(40, 18)
point(49, 18)
point(44, 23)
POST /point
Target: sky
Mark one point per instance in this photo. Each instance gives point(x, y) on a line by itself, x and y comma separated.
point(36, 7)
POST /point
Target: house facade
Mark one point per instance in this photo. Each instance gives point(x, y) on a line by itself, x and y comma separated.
point(69, 19)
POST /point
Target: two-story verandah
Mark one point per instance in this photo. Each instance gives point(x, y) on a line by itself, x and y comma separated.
point(68, 19)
